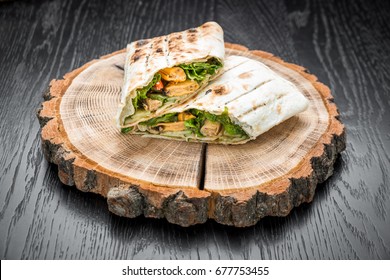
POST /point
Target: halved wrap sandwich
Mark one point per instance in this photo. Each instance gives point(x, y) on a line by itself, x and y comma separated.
point(246, 100)
point(165, 71)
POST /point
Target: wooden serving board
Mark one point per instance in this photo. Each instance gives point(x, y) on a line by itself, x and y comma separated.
point(187, 183)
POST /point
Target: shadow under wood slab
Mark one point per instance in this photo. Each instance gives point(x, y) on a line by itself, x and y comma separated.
point(187, 183)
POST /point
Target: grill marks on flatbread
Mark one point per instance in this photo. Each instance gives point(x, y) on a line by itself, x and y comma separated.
point(247, 87)
point(256, 98)
point(146, 57)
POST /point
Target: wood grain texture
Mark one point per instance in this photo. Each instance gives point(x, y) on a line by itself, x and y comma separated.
point(344, 43)
point(161, 179)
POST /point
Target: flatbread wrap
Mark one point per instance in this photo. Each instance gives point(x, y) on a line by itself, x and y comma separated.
point(166, 71)
point(246, 100)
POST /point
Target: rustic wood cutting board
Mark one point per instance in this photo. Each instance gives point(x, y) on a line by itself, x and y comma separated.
point(187, 183)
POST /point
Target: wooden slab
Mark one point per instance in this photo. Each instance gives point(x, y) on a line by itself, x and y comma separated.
point(187, 183)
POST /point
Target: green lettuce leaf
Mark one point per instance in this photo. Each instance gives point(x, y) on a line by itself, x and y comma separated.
point(141, 93)
point(198, 70)
point(171, 117)
point(196, 124)
point(230, 127)
point(126, 129)
point(160, 97)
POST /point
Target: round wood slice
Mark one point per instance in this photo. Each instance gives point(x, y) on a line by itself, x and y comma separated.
point(187, 183)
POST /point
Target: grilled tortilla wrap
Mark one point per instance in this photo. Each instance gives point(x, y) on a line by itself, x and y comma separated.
point(168, 70)
point(246, 100)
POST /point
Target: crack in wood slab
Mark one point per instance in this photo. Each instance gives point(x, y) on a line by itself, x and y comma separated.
point(202, 168)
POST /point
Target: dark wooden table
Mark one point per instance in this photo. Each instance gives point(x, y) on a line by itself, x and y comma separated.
point(345, 43)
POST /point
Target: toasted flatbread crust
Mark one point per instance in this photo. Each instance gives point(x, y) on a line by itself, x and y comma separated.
point(146, 57)
point(256, 97)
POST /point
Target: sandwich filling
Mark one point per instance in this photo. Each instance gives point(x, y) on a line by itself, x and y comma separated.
point(171, 85)
point(193, 124)
point(163, 72)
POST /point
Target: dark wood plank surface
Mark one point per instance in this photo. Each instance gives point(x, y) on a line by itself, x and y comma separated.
point(345, 43)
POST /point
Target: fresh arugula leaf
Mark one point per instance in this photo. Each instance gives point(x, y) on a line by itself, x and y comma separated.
point(198, 70)
point(141, 93)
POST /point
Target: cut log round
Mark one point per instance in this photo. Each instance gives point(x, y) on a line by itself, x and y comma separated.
point(187, 183)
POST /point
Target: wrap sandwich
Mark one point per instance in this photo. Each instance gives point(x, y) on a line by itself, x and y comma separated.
point(246, 100)
point(166, 71)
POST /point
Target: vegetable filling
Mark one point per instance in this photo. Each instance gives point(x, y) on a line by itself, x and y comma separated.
point(198, 123)
point(170, 83)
